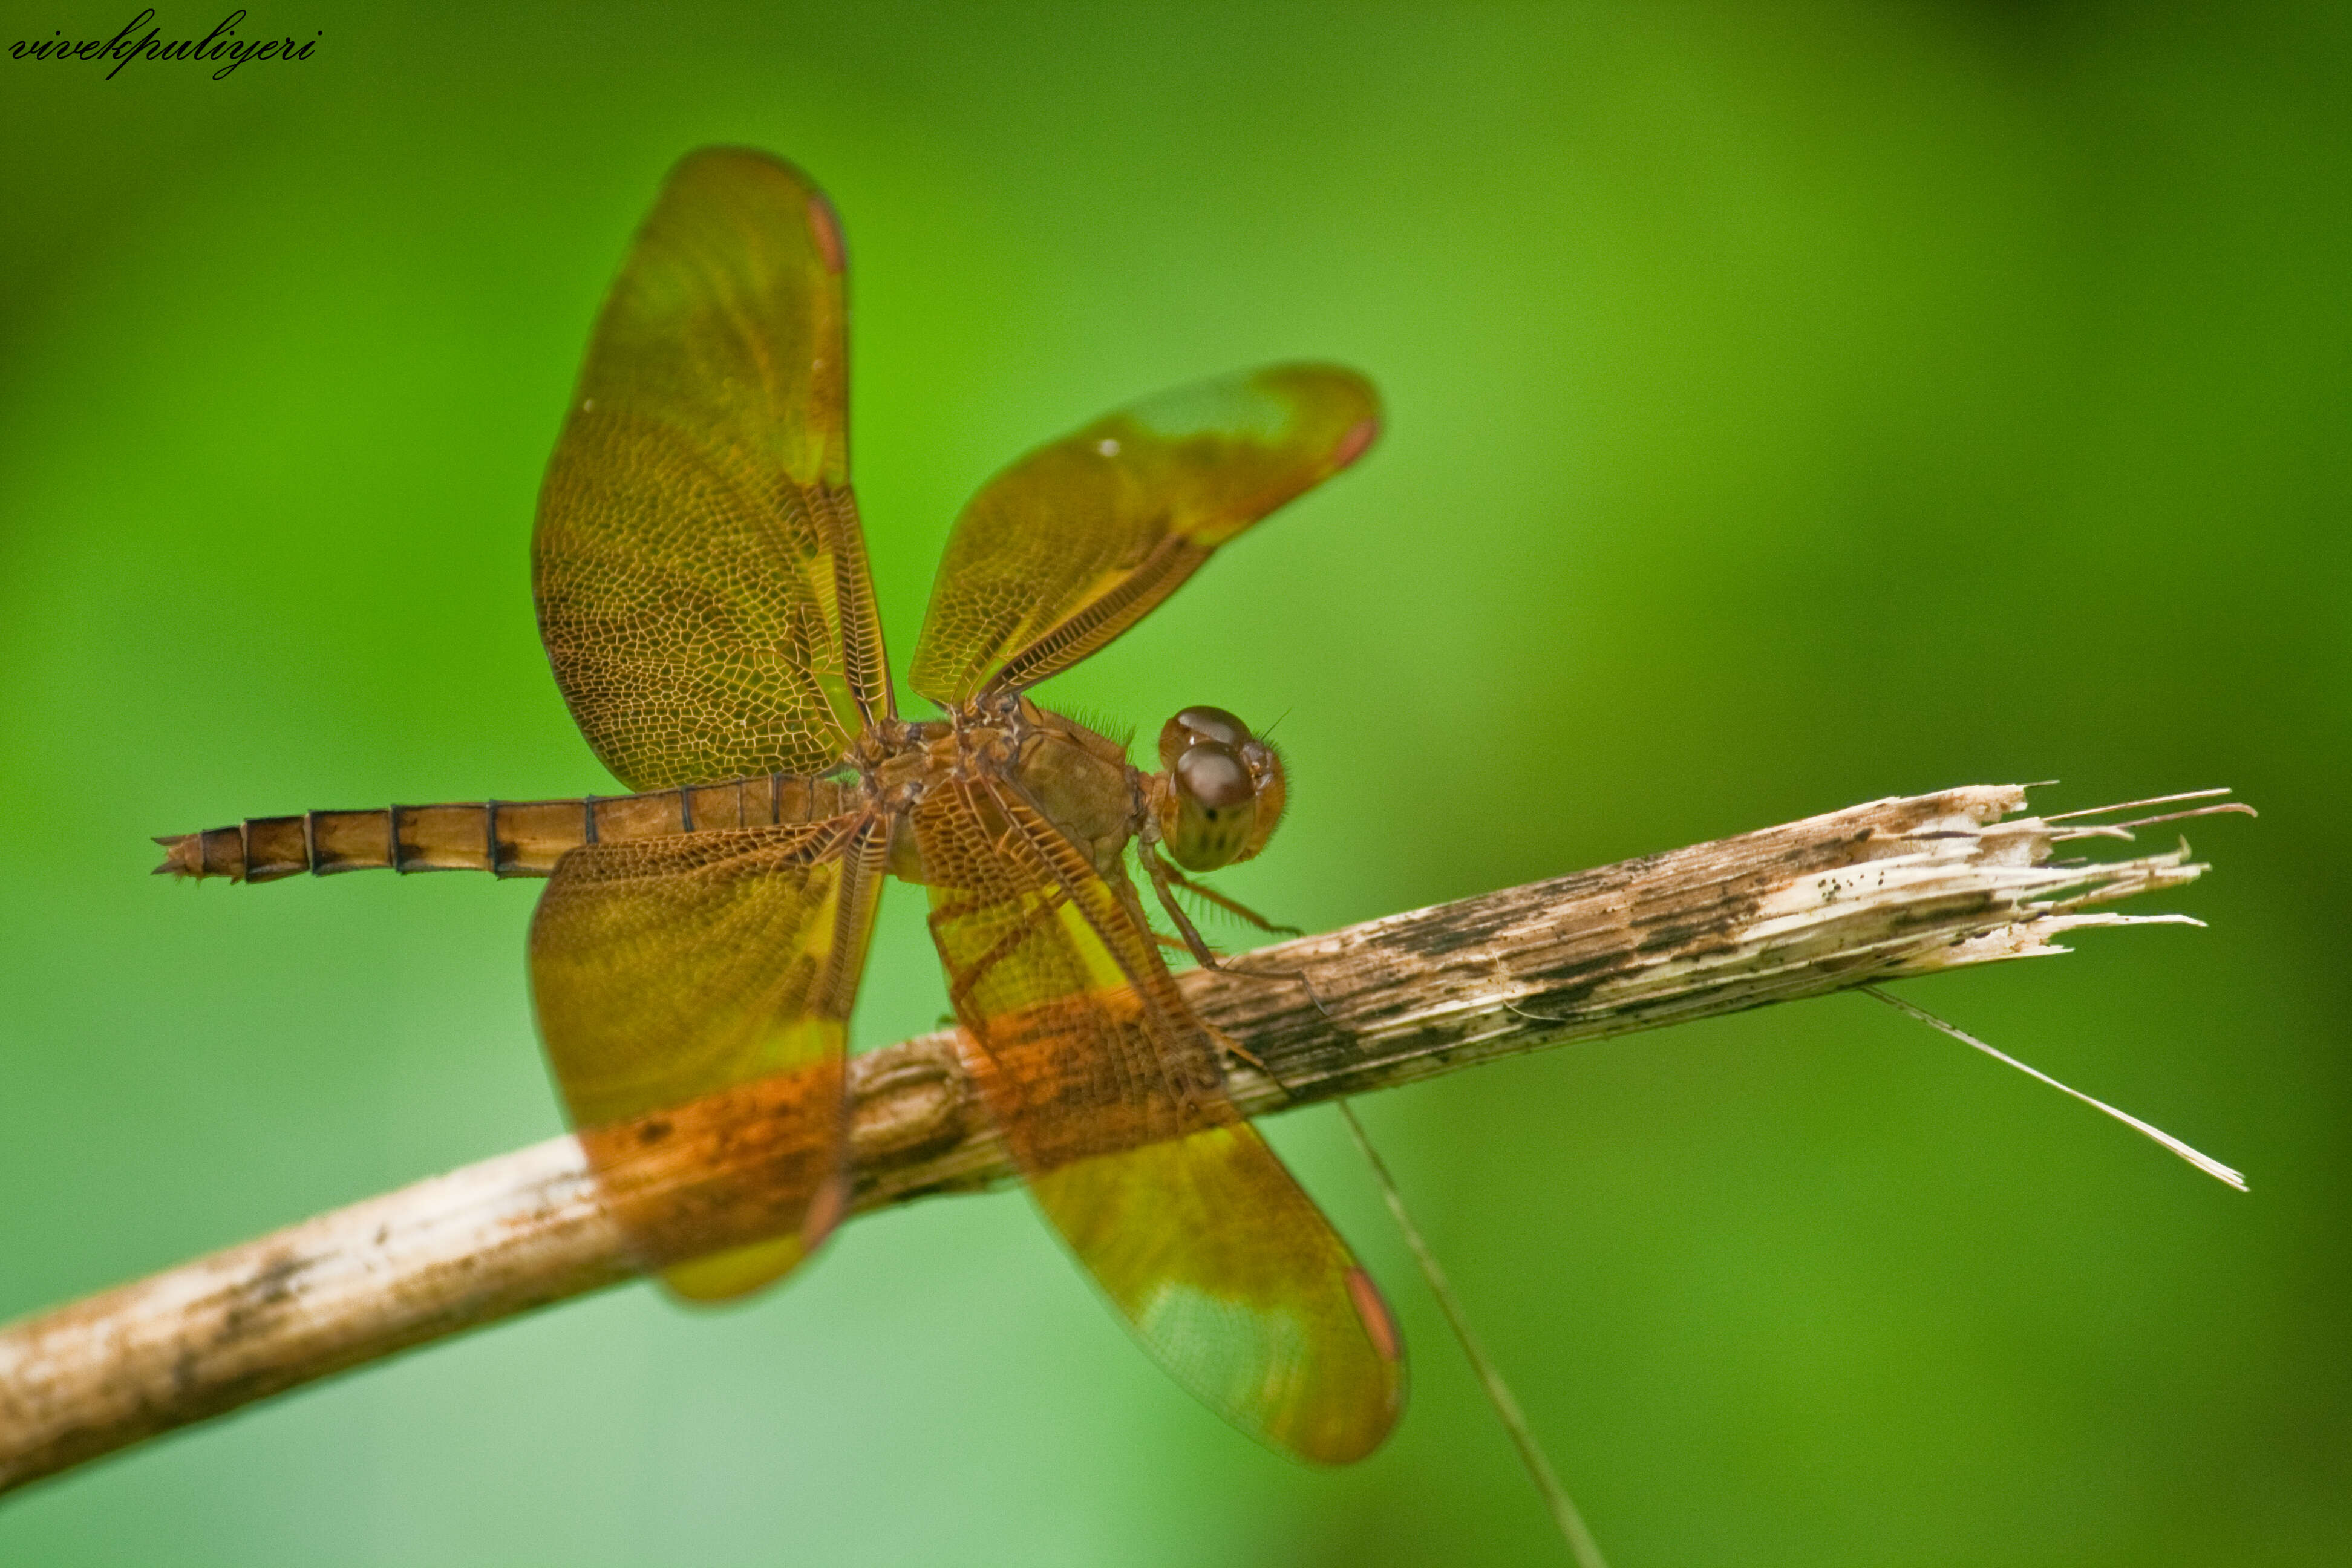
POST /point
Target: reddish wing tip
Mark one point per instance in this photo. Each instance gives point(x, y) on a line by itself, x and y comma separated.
point(1352, 446)
point(826, 227)
point(826, 1205)
point(1379, 1326)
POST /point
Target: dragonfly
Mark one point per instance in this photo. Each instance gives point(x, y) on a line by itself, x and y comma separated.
point(703, 595)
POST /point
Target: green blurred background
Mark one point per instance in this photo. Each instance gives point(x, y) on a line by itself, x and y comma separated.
point(1785, 410)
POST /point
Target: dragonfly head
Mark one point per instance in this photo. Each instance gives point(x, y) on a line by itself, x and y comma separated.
point(1223, 791)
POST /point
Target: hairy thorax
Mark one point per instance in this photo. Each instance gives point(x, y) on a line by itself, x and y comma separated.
point(995, 749)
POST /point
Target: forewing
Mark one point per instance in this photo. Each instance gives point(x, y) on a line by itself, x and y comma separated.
point(664, 969)
point(1078, 540)
point(700, 576)
point(1108, 1095)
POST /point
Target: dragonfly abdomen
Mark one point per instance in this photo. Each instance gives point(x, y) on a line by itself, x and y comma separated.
point(506, 838)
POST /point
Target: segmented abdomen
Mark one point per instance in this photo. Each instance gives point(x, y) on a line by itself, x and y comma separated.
point(506, 839)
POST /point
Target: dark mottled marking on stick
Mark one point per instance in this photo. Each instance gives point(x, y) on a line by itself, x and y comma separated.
point(1478, 929)
point(1942, 911)
point(1672, 939)
point(258, 1300)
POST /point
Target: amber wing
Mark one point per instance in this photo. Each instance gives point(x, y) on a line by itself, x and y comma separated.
point(667, 968)
point(700, 577)
point(1109, 1096)
point(1076, 541)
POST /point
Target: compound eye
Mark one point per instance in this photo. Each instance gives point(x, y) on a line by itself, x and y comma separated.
point(1198, 724)
point(1210, 810)
point(1215, 778)
point(1214, 724)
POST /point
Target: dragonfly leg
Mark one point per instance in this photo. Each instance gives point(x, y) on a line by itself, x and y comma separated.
point(1162, 874)
point(1165, 879)
point(1231, 906)
point(1240, 1052)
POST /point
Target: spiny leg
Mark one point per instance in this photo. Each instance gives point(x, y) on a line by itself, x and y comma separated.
point(1162, 873)
point(1164, 877)
point(1230, 905)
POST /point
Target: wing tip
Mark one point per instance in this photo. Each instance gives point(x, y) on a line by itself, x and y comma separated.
point(1373, 1311)
point(825, 227)
point(1357, 440)
point(723, 160)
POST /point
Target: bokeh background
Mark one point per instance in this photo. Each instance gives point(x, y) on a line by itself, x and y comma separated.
point(1786, 409)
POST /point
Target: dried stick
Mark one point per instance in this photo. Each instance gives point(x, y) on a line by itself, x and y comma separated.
point(1886, 890)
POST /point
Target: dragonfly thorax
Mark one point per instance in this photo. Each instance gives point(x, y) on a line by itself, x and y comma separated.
point(990, 753)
